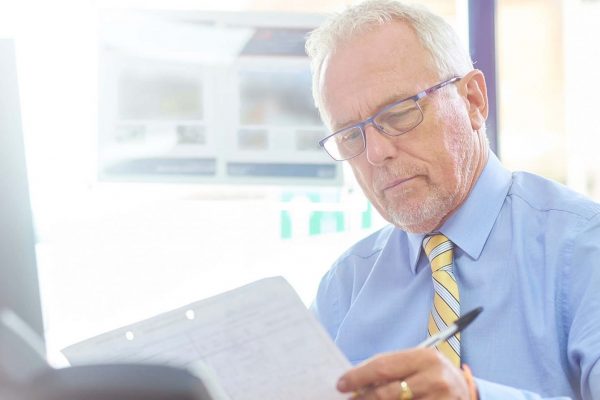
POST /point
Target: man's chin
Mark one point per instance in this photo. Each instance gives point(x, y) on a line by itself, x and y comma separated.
point(413, 221)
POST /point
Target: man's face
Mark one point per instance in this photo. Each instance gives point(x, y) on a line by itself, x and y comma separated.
point(418, 179)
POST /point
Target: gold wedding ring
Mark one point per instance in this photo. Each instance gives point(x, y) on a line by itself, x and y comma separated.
point(405, 392)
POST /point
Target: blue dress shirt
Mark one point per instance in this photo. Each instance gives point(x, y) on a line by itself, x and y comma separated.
point(526, 249)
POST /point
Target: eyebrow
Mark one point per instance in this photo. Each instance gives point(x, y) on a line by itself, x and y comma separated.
point(386, 102)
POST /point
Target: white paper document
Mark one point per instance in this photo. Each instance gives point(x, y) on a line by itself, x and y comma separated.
point(259, 342)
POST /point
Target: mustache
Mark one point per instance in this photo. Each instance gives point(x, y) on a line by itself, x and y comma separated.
point(390, 173)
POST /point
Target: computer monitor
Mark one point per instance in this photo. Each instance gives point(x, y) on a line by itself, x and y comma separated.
point(19, 288)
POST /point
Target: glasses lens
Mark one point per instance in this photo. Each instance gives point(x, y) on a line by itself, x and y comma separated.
point(400, 118)
point(345, 144)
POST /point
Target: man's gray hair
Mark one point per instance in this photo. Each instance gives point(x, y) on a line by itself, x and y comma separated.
point(436, 35)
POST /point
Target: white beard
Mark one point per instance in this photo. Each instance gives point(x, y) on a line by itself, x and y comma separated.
point(426, 216)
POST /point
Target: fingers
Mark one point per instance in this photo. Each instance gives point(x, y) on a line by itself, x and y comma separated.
point(416, 387)
point(391, 390)
point(386, 368)
point(428, 374)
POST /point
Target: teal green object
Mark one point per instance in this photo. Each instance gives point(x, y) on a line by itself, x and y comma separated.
point(367, 217)
point(286, 225)
point(321, 221)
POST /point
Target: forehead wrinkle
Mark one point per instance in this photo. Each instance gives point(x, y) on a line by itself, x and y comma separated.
point(388, 75)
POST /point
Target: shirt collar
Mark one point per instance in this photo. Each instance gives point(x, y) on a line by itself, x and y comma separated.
point(471, 224)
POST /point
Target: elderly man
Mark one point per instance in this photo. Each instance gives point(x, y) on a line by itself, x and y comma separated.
point(407, 111)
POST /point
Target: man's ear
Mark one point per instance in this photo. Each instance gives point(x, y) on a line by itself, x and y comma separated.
point(474, 91)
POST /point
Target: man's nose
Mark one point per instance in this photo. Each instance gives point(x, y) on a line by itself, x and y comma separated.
point(379, 146)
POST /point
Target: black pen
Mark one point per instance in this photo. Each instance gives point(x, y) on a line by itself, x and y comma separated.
point(431, 341)
point(456, 327)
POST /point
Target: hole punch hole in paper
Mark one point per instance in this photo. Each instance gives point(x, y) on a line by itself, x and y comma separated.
point(129, 335)
point(190, 314)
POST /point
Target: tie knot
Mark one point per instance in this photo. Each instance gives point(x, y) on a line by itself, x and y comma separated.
point(438, 249)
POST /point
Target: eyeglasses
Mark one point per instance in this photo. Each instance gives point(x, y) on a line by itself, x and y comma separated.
point(394, 119)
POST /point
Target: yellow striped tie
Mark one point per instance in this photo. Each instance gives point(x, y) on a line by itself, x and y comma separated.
point(446, 301)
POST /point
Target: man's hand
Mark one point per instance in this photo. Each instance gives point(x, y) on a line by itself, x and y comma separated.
point(428, 374)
